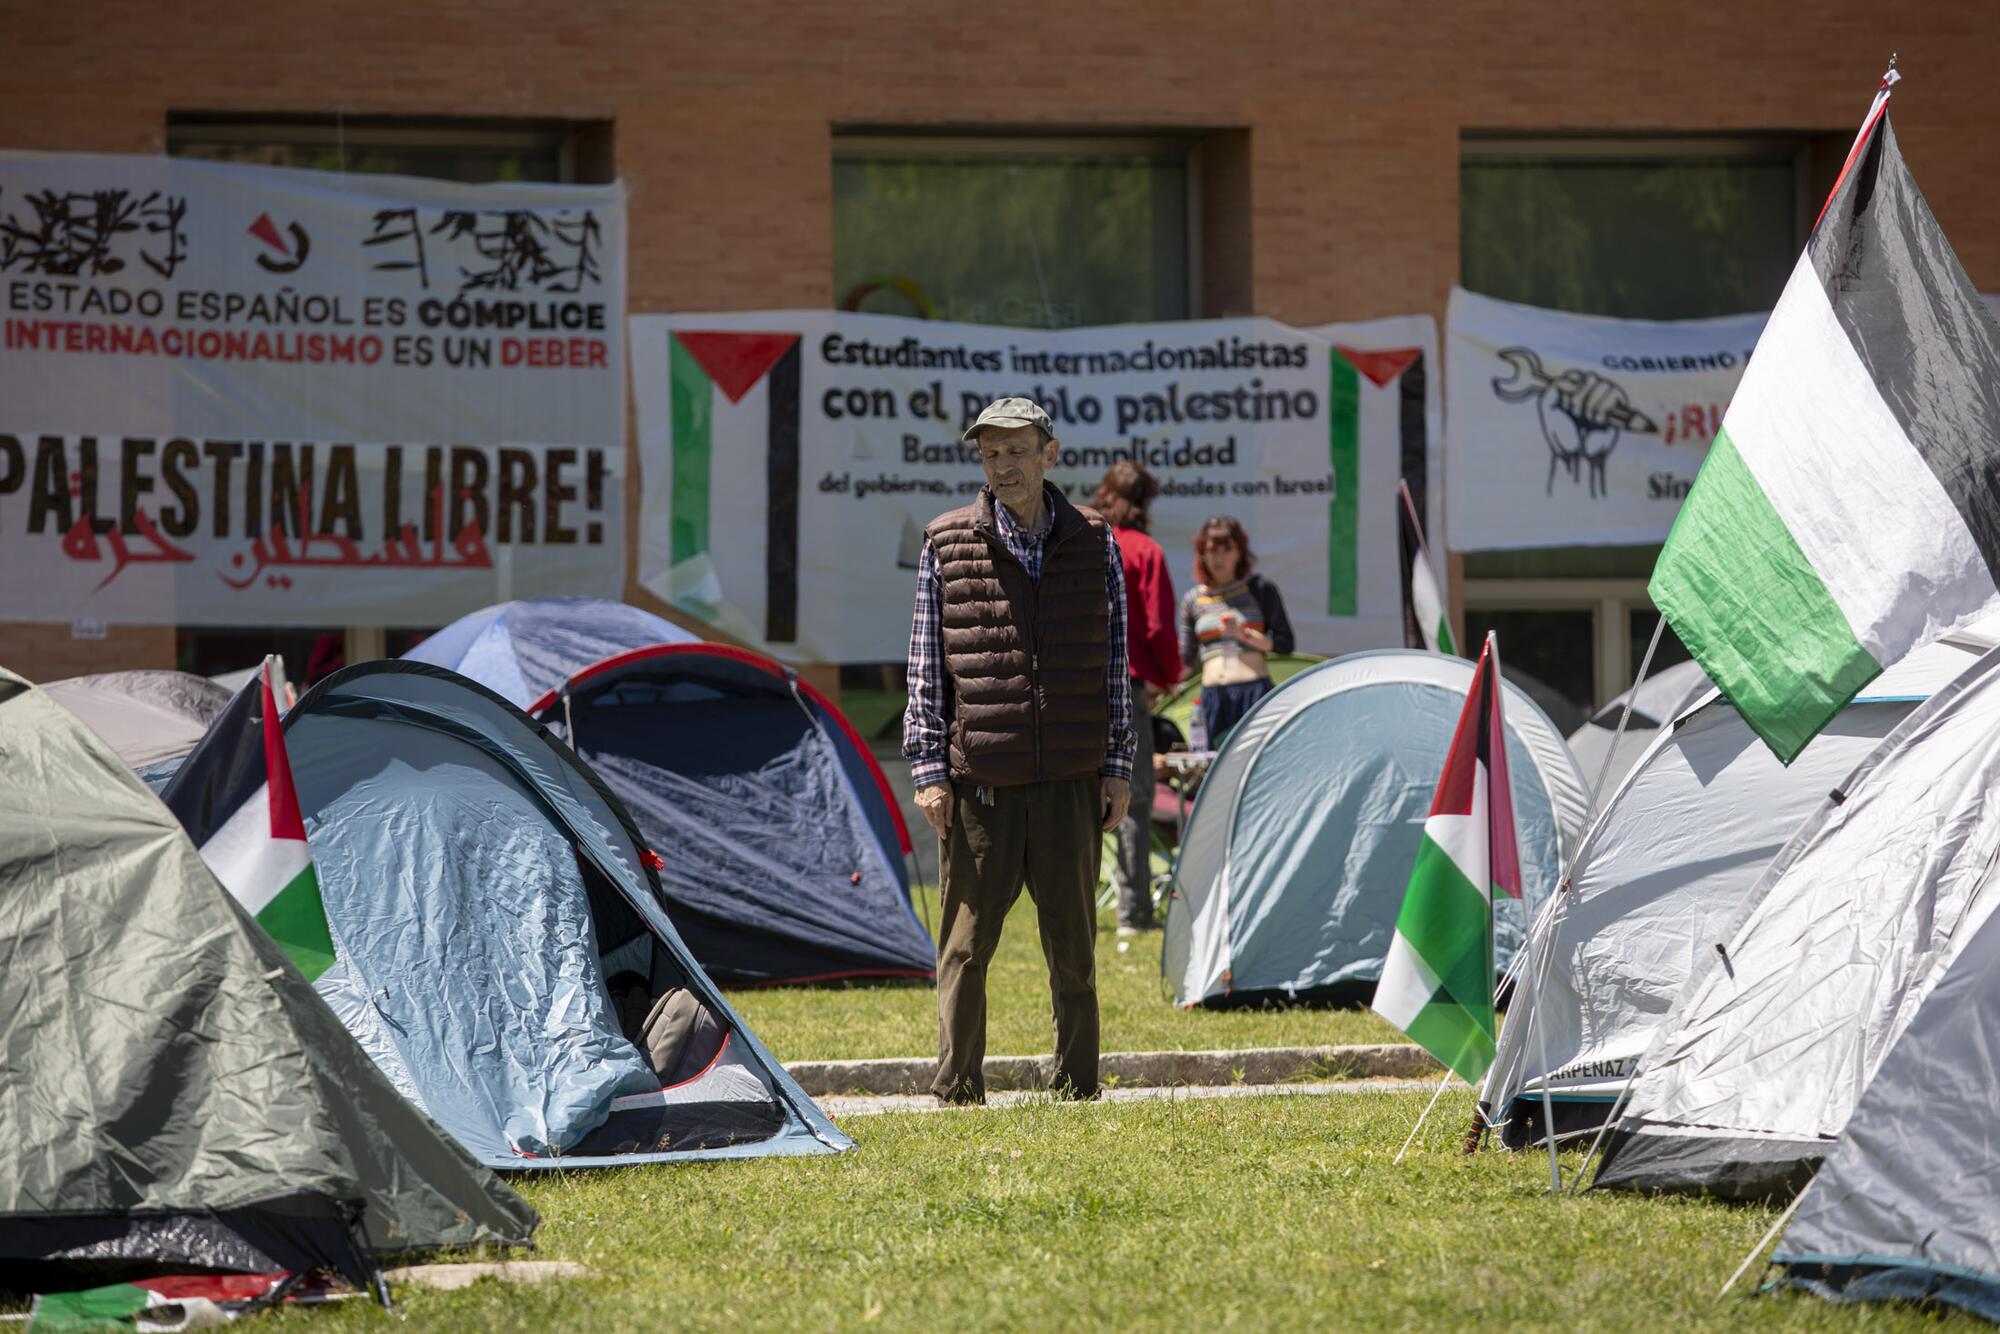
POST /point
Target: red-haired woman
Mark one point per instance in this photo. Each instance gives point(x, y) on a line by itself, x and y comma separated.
point(1230, 620)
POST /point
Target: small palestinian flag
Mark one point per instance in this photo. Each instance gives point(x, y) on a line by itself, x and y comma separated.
point(234, 795)
point(1849, 510)
point(171, 1302)
point(1437, 981)
point(1425, 596)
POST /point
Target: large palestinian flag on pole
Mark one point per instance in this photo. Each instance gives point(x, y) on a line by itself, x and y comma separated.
point(1849, 511)
point(234, 796)
point(1437, 981)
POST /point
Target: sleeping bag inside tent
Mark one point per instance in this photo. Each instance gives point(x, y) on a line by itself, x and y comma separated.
point(501, 950)
point(1301, 842)
point(176, 1098)
point(783, 845)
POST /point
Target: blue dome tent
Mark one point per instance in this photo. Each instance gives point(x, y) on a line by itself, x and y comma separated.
point(782, 840)
point(1300, 844)
point(490, 904)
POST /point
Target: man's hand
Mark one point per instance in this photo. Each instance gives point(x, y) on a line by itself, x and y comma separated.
point(1117, 796)
point(935, 801)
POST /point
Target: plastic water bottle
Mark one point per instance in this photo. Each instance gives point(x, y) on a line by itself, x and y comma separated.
point(1197, 729)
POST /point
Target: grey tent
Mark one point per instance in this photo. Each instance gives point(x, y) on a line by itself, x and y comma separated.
point(495, 915)
point(147, 716)
point(1753, 1075)
point(175, 1095)
point(1301, 841)
point(1907, 1207)
point(1675, 852)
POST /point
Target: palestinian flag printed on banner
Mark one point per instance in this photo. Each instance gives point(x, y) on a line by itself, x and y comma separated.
point(1437, 981)
point(1422, 593)
point(173, 1302)
point(712, 372)
point(234, 796)
point(1849, 510)
point(1364, 387)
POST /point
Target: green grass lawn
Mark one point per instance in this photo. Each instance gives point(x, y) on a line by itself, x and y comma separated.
point(1258, 1213)
point(834, 1023)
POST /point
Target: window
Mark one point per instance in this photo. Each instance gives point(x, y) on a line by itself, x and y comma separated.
point(1032, 233)
point(1651, 231)
point(1639, 229)
point(447, 150)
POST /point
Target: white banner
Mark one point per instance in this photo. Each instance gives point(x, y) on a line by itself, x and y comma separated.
point(243, 395)
point(1574, 430)
point(792, 458)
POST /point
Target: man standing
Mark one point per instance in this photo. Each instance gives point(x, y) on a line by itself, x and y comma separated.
point(1019, 736)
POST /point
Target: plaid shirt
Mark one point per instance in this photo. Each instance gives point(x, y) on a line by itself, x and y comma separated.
point(926, 723)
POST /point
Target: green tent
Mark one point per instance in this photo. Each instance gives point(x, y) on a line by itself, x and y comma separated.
point(175, 1094)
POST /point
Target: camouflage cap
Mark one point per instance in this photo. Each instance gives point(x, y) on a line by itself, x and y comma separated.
point(1008, 412)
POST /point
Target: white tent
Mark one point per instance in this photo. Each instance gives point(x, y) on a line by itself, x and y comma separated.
point(1674, 854)
point(1754, 1073)
point(1656, 701)
point(1907, 1207)
point(1300, 844)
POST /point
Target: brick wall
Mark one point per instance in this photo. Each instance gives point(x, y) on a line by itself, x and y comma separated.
point(1331, 132)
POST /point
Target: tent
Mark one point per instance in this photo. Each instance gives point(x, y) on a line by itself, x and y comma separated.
point(1677, 849)
point(176, 1097)
point(1301, 841)
point(521, 649)
point(146, 716)
point(782, 839)
point(1907, 1207)
point(1656, 701)
point(495, 915)
point(1753, 1074)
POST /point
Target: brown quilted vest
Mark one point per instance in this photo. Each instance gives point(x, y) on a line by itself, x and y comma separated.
point(1025, 661)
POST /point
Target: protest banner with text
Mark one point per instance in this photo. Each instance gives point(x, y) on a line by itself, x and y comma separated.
point(792, 458)
point(1575, 430)
point(244, 395)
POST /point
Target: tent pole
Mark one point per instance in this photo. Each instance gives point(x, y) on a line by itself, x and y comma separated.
point(1420, 1120)
point(1617, 1106)
point(1541, 1033)
point(1624, 716)
point(1764, 1241)
point(1567, 886)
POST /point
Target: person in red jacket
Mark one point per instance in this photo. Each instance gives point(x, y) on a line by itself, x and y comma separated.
point(1122, 498)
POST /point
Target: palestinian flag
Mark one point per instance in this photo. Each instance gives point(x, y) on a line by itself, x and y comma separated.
point(712, 374)
point(171, 1302)
point(1422, 593)
point(234, 796)
point(1370, 393)
point(1849, 511)
point(1437, 981)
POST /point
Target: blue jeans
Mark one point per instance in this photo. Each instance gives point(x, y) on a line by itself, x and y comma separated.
point(1222, 707)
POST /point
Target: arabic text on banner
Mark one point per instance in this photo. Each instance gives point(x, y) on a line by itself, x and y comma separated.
point(792, 458)
point(1574, 430)
point(245, 395)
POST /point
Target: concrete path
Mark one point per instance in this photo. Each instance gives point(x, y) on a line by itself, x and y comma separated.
point(840, 1108)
